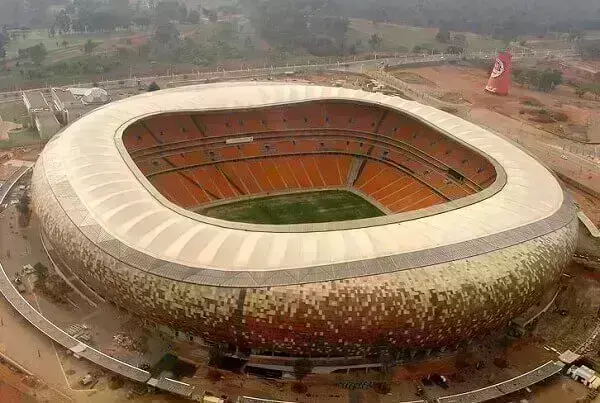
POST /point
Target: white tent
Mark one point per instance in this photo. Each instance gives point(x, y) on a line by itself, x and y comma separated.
point(95, 96)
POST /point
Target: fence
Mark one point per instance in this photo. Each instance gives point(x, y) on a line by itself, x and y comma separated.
point(340, 65)
point(34, 317)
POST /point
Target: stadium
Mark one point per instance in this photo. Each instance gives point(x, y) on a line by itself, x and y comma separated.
point(302, 220)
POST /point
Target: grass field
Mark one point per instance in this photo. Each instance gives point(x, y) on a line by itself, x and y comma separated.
point(297, 208)
point(403, 38)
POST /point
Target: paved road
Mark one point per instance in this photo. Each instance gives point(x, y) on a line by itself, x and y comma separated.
point(350, 66)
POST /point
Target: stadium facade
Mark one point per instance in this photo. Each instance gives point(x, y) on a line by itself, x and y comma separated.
point(479, 232)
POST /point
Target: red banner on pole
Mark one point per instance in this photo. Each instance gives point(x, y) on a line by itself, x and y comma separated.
point(499, 81)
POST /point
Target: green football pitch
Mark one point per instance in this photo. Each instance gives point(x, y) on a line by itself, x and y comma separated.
point(297, 208)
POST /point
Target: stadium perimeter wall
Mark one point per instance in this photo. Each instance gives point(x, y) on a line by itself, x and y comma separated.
point(405, 306)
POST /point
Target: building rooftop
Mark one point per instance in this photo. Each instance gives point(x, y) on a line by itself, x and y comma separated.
point(103, 191)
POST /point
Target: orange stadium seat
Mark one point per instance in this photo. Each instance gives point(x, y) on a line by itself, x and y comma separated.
point(270, 167)
point(300, 147)
point(312, 171)
point(328, 168)
point(286, 172)
point(260, 175)
point(136, 138)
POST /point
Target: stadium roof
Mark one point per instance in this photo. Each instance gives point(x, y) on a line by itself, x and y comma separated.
point(99, 187)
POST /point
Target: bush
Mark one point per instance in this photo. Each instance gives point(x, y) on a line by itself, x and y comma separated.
point(214, 375)
point(115, 382)
point(382, 388)
point(41, 271)
point(501, 362)
point(559, 116)
point(153, 87)
point(302, 367)
point(299, 387)
point(530, 101)
point(546, 116)
point(541, 119)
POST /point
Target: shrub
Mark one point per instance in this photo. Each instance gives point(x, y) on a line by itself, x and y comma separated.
point(41, 271)
point(302, 367)
point(541, 119)
point(115, 382)
point(382, 388)
point(501, 362)
point(530, 101)
point(153, 86)
point(214, 375)
point(559, 116)
point(299, 387)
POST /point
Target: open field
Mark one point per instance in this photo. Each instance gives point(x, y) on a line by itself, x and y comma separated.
point(37, 36)
point(297, 208)
point(403, 38)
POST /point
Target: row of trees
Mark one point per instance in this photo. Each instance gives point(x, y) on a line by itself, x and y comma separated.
point(502, 20)
point(93, 15)
point(299, 24)
point(4, 38)
point(590, 49)
point(167, 45)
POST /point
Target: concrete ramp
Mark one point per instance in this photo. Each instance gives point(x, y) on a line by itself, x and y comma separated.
point(588, 245)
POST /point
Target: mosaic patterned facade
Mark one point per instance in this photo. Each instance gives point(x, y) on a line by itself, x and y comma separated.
point(413, 282)
point(423, 307)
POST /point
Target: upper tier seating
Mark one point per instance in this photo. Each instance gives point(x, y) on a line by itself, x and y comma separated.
point(405, 165)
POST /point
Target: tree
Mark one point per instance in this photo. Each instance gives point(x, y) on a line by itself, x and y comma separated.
point(3, 43)
point(443, 35)
point(215, 353)
point(37, 54)
point(302, 367)
point(63, 22)
point(375, 42)
point(170, 11)
point(77, 26)
point(166, 33)
point(89, 46)
point(210, 14)
point(193, 17)
point(153, 87)
point(590, 49)
point(41, 271)
point(455, 50)
point(460, 40)
point(23, 205)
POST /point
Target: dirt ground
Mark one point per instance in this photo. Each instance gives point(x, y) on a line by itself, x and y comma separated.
point(588, 203)
point(459, 85)
point(465, 85)
point(501, 115)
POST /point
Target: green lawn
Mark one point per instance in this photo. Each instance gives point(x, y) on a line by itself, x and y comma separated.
point(297, 208)
point(37, 36)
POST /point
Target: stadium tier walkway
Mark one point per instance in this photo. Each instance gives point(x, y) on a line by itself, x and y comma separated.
point(78, 348)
